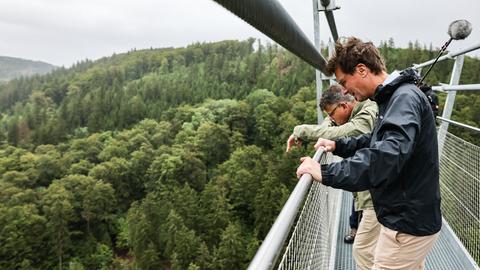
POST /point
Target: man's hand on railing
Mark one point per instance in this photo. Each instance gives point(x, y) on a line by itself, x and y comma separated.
point(311, 167)
point(293, 141)
point(328, 145)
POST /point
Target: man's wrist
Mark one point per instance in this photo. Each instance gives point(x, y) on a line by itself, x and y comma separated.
point(338, 145)
point(299, 133)
point(295, 133)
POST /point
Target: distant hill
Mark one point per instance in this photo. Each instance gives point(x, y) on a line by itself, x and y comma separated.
point(11, 67)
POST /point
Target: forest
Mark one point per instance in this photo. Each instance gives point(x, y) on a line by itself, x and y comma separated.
point(169, 158)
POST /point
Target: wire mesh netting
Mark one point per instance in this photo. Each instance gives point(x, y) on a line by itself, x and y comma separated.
point(460, 189)
point(310, 244)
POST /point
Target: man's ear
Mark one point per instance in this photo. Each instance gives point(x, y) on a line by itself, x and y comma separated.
point(362, 70)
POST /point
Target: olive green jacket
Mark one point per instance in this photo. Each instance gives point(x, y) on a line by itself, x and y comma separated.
point(361, 121)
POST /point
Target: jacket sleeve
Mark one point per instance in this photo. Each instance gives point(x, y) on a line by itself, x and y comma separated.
point(361, 123)
point(346, 147)
point(384, 159)
point(310, 133)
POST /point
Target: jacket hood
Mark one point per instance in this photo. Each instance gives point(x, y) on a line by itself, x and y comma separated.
point(384, 92)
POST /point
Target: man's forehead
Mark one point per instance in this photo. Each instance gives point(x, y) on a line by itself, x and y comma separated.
point(339, 74)
point(329, 107)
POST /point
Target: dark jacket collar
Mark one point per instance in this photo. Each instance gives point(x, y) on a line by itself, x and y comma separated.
point(384, 92)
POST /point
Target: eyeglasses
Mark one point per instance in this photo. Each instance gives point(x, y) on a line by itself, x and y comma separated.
point(334, 109)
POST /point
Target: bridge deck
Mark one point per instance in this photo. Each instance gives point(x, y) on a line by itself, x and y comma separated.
point(447, 254)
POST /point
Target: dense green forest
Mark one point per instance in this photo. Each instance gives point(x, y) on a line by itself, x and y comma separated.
point(11, 67)
point(161, 158)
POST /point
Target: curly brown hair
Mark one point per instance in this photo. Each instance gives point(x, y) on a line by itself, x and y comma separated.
point(354, 51)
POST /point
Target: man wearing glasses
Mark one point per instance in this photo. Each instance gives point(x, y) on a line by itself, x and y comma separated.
point(347, 117)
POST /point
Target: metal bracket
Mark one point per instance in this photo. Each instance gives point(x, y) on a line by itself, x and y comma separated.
point(327, 5)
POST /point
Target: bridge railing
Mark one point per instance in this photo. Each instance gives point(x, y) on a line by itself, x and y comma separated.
point(312, 244)
point(268, 253)
point(460, 189)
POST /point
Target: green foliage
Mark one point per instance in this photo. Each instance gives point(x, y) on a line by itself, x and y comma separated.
point(230, 253)
point(98, 203)
point(242, 175)
point(212, 141)
point(146, 231)
point(268, 202)
point(102, 257)
point(22, 236)
point(59, 212)
point(182, 243)
point(215, 212)
point(176, 169)
point(75, 265)
point(116, 173)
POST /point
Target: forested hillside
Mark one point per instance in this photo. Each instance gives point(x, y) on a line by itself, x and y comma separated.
point(161, 158)
point(11, 67)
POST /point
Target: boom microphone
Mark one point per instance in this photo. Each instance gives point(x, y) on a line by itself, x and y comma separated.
point(459, 29)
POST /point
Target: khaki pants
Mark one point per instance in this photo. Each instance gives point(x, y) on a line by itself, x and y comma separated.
point(396, 250)
point(366, 240)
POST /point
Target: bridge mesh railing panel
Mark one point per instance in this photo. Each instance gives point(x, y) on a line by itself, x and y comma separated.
point(311, 241)
point(460, 189)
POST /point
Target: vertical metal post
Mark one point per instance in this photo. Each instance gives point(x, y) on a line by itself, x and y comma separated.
point(331, 50)
point(450, 101)
point(318, 75)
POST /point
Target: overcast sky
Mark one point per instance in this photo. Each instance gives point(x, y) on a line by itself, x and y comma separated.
point(62, 32)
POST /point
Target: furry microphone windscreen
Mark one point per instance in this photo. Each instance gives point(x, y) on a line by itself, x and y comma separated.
point(459, 29)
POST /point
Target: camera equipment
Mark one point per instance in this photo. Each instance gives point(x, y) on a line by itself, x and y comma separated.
point(459, 29)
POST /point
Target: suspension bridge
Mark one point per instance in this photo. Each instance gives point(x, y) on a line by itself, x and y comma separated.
point(308, 232)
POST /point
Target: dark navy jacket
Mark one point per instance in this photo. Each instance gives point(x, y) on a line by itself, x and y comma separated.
point(397, 162)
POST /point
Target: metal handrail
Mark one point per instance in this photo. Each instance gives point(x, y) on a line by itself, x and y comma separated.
point(459, 124)
point(448, 56)
point(459, 87)
point(267, 254)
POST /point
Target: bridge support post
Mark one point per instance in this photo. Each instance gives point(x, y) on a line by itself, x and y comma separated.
point(449, 102)
point(318, 75)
